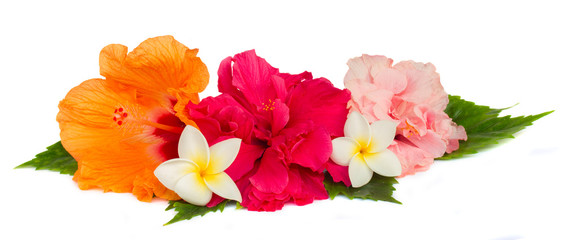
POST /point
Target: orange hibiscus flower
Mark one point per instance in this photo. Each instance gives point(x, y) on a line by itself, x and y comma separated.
point(119, 129)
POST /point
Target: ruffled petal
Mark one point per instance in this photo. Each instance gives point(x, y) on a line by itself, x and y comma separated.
point(311, 148)
point(155, 66)
point(343, 150)
point(373, 103)
point(222, 185)
point(458, 133)
point(193, 146)
point(360, 173)
point(357, 128)
point(382, 135)
point(184, 99)
point(338, 173)
point(146, 186)
point(251, 75)
point(311, 186)
point(226, 86)
point(431, 142)
point(384, 163)
point(272, 175)
point(390, 79)
point(413, 159)
point(361, 67)
point(319, 101)
point(169, 172)
point(222, 155)
point(423, 85)
point(243, 164)
point(280, 116)
point(216, 116)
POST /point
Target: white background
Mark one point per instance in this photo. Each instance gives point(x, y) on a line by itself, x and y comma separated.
point(494, 53)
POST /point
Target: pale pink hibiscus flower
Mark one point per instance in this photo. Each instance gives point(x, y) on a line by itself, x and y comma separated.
point(410, 94)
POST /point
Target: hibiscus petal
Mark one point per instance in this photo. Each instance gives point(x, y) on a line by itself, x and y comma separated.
point(272, 176)
point(162, 70)
point(169, 172)
point(226, 86)
point(372, 102)
point(431, 142)
point(382, 135)
point(357, 128)
point(222, 155)
point(225, 72)
point(193, 189)
point(389, 79)
point(384, 163)
point(156, 65)
point(311, 186)
point(183, 98)
point(423, 85)
point(278, 83)
point(222, 185)
point(251, 75)
point(413, 159)
point(357, 70)
point(313, 150)
point(280, 116)
point(244, 162)
point(359, 171)
point(145, 189)
point(319, 101)
point(193, 146)
point(338, 173)
point(213, 114)
point(343, 150)
point(361, 67)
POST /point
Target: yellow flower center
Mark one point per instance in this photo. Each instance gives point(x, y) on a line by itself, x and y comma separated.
point(268, 106)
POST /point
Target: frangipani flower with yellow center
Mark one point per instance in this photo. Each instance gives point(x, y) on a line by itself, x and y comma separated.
point(364, 149)
point(199, 172)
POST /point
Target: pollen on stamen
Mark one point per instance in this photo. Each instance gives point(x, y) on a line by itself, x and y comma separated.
point(268, 106)
point(412, 130)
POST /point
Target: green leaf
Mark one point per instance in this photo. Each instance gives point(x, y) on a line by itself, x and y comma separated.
point(56, 158)
point(483, 125)
point(379, 189)
point(186, 211)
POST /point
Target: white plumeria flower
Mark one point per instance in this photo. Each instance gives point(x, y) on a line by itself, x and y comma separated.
point(364, 149)
point(199, 171)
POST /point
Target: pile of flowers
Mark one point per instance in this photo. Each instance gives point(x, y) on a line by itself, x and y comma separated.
point(269, 138)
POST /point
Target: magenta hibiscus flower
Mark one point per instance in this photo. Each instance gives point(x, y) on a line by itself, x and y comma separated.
point(286, 123)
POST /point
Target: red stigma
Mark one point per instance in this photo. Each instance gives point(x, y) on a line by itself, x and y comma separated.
point(119, 115)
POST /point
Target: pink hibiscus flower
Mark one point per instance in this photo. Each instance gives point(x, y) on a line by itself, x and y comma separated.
point(286, 123)
point(410, 94)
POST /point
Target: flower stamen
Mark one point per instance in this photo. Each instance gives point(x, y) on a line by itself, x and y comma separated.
point(172, 129)
point(411, 129)
point(268, 106)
